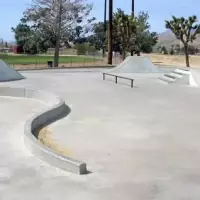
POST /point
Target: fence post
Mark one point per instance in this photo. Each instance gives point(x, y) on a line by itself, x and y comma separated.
point(93, 60)
point(36, 62)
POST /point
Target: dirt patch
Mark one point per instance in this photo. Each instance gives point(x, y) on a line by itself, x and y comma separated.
point(45, 137)
point(174, 60)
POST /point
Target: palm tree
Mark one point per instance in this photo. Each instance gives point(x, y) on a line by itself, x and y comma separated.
point(110, 31)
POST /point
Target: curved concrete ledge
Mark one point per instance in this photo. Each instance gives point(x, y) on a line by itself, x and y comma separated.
point(56, 109)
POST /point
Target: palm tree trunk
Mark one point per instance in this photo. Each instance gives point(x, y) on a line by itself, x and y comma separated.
point(186, 55)
point(105, 28)
point(110, 30)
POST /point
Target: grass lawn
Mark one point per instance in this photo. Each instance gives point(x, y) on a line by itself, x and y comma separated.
point(33, 59)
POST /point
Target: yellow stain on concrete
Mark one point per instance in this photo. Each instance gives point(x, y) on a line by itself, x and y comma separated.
point(45, 137)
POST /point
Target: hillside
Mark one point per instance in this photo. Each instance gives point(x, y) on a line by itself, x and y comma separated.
point(168, 38)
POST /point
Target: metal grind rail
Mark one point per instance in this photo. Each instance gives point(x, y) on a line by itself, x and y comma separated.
point(116, 78)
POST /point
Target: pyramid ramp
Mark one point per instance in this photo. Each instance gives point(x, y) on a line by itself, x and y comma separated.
point(7, 73)
point(136, 64)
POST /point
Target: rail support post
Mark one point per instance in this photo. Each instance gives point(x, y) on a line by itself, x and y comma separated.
point(132, 83)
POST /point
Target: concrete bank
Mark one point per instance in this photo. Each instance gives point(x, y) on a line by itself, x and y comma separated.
point(56, 110)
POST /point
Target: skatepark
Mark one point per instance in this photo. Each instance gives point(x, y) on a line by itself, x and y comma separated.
point(100, 140)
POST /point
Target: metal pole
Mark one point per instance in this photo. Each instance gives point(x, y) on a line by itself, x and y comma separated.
point(105, 27)
point(133, 8)
point(37, 54)
point(110, 31)
point(133, 15)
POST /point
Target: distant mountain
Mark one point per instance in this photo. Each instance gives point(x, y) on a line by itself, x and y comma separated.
point(168, 38)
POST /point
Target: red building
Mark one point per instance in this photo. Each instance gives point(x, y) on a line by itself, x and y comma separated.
point(17, 49)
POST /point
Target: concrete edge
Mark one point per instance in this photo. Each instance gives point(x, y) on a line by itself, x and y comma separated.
point(13, 79)
point(56, 110)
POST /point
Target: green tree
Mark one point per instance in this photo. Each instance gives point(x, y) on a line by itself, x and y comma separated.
point(124, 31)
point(98, 36)
point(31, 38)
point(177, 48)
point(191, 50)
point(6, 44)
point(1, 43)
point(185, 30)
point(22, 33)
point(58, 17)
point(78, 33)
point(162, 49)
point(145, 40)
point(171, 51)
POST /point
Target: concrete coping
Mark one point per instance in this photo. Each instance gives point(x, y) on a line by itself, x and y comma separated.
point(55, 110)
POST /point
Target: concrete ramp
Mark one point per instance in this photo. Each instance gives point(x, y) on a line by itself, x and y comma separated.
point(136, 64)
point(7, 73)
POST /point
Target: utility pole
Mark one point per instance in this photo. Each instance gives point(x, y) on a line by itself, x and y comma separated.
point(133, 8)
point(57, 47)
point(105, 27)
point(133, 15)
point(110, 31)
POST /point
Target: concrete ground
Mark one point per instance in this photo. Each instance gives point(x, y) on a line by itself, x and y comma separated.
point(139, 143)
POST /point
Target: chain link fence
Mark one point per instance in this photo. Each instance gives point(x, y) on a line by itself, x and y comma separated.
point(66, 60)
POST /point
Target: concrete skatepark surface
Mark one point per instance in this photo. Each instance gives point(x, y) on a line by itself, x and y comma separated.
point(139, 143)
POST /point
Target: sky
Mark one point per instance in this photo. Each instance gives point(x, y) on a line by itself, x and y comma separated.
point(11, 11)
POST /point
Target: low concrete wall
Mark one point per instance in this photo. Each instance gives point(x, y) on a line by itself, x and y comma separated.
point(56, 109)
